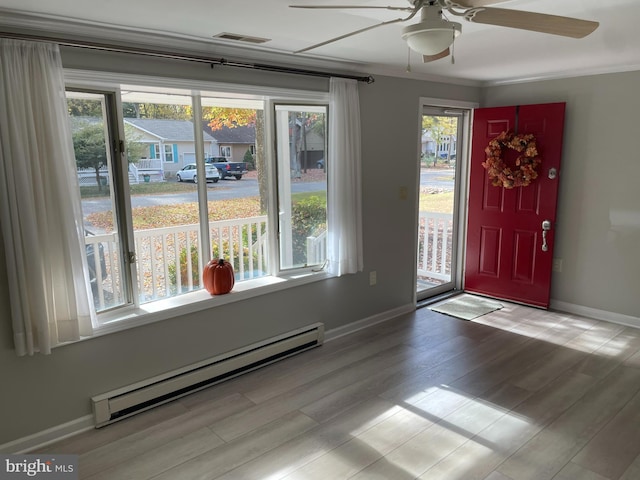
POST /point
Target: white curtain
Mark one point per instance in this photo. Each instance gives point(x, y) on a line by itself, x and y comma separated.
point(40, 210)
point(344, 211)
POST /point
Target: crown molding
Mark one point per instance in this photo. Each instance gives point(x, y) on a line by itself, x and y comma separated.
point(563, 75)
point(69, 29)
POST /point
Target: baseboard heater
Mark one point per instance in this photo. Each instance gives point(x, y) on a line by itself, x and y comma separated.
point(124, 402)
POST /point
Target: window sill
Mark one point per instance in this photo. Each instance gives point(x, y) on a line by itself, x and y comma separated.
point(123, 319)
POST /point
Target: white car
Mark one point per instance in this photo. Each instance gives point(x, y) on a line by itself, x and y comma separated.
point(190, 173)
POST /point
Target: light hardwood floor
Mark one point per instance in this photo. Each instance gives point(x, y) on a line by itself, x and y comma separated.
point(516, 394)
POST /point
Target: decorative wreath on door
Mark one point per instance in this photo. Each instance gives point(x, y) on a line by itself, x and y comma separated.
point(524, 170)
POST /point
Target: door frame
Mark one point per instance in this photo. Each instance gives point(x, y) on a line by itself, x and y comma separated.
point(511, 262)
point(463, 154)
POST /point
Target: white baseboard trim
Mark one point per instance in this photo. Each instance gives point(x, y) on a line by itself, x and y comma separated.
point(367, 322)
point(74, 427)
point(605, 315)
point(51, 435)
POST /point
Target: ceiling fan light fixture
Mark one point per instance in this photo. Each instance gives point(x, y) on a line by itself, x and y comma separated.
point(431, 37)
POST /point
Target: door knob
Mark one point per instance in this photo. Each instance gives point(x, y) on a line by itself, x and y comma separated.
point(546, 226)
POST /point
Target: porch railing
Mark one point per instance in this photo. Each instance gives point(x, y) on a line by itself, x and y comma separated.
point(434, 245)
point(149, 164)
point(169, 260)
point(317, 248)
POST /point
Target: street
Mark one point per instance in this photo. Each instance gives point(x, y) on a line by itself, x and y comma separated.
point(248, 187)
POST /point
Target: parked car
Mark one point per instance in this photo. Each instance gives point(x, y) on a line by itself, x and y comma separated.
point(227, 168)
point(190, 173)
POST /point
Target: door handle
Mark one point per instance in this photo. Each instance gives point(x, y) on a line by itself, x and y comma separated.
point(546, 226)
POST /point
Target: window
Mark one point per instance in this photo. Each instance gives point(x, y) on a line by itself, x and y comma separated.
point(96, 164)
point(149, 236)
point(168, 153)
point(303, 212)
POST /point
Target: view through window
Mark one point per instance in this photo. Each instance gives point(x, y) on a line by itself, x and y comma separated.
point(154, 217)
point(439, 154)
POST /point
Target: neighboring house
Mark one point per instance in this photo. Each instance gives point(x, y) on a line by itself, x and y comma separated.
point(311, 149)
point(171, 145)
point(446, 147)
point(428, 144)
point(233, 143)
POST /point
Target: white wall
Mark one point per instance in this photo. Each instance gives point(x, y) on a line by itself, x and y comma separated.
point(598, 229)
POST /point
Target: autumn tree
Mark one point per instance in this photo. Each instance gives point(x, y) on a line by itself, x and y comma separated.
point(439, 128)
point(221, 117)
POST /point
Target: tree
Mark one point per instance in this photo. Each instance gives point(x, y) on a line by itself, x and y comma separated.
point(305, 123)
point(439, 127)
point(249, 160)
point(157, 110)
point(84, 108)
point(219, 117)
point(91, 151)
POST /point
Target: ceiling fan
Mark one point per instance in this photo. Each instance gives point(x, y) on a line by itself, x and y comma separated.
point(434, 34)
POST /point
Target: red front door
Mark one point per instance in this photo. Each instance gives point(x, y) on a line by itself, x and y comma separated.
point(507, 255)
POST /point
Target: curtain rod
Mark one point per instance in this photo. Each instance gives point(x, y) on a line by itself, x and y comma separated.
point(186, 57)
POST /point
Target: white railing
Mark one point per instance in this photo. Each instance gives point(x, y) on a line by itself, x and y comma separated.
point(133, 174)
point(317, 248)
point(169, 260)
point(434, 245)
point(149, 164)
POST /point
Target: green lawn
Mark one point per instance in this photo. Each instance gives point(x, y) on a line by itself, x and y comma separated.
point(437, 202)
point(141, 189)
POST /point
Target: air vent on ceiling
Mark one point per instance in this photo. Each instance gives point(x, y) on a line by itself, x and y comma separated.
point(240, 38)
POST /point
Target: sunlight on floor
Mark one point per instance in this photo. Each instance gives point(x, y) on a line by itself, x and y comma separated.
point(554, 327)
point(435, 424)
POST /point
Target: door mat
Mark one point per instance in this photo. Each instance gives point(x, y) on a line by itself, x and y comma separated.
point(467, 307)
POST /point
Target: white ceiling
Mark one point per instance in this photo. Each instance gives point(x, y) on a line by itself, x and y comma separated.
point(483, 53)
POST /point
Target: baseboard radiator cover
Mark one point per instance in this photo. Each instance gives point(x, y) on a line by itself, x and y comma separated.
point(124, 402)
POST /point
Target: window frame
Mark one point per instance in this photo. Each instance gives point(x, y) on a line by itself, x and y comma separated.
point(224, 149)
point(133, 313)
point(168, 153)
point(284, 103)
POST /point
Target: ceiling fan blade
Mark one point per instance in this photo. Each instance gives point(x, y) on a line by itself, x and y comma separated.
point(437, 56)
point(536, 22)
point(351, 34)
point(343, 7)
point(476, 3)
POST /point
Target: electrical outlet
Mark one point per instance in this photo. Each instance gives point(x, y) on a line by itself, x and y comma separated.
point(373, 278)
point(557, 265)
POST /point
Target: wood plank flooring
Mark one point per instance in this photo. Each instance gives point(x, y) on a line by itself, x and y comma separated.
point(517, 394)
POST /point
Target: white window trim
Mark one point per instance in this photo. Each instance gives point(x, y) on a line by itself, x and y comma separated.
point(196, 301)
point(123, 318)
point(102, 80)
point(164, 156)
